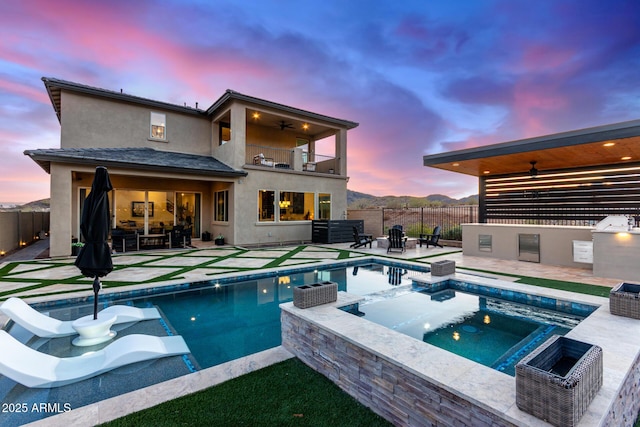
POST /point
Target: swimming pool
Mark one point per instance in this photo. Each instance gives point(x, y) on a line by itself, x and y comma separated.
point(220, 320)
point(491, 331)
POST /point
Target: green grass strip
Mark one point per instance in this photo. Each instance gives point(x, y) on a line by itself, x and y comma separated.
point(276, 262)
point(285, 394)
point(580, 288)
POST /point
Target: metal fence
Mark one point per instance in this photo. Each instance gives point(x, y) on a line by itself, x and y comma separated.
point(415, 221)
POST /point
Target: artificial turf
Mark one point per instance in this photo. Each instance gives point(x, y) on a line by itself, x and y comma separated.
point(285, 394)
point(581, 288)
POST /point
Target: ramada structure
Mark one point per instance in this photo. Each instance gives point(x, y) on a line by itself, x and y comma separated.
point(541, 198)
point(246, 168)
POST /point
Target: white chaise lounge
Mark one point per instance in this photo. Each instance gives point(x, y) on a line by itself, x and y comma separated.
point(47, 327)
point(34, 369)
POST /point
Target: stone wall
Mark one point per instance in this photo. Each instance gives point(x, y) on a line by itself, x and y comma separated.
point(395, 393)
point(624, 410)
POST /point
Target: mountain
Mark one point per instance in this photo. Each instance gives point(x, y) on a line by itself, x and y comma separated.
point(356, 200)
point(35, 206)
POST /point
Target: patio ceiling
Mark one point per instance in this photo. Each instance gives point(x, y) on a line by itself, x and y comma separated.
point(604, 145)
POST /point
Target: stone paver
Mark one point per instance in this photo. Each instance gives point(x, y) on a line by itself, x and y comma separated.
point(54, 273)
point(264, 254)
point(138, 274)
point(134, 259)
point(180, 261)
point(208, 262)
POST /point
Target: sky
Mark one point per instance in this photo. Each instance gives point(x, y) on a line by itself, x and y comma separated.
point(420, 77)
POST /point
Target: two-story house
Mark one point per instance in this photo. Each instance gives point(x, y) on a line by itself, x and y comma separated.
point(245, 167)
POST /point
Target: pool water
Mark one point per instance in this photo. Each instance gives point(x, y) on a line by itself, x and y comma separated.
point(225, 322)
point(220, 321)
point(489, 331)
point(228, 319)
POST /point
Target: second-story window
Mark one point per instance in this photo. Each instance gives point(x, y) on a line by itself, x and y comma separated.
point(158, 126)
point(225, 133)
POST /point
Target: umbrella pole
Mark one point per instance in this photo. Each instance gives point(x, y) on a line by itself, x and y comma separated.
point(96, 289)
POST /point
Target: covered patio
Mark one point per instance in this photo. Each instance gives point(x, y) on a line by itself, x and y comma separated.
point(560, 185)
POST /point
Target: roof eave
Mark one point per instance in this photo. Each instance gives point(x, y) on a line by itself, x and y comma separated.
point(51, 83)
point(571, 138)
point(233, 95)
point(45, 163)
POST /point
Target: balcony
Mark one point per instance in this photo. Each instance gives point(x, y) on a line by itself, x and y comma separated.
point(290, 159)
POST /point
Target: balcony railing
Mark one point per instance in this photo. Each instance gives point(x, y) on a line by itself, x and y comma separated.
point(289, 158)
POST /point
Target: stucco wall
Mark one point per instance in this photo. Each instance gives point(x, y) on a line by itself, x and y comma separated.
point(617, 255)
point(18, 228)
point(556, 242)
point(373, 220)
point(249, 231)
point(95, 122)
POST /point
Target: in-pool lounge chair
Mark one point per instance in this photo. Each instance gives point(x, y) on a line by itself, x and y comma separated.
point(32, 368)
point(47, 327)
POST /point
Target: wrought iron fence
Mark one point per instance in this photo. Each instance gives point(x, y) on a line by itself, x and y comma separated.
point(415, 221)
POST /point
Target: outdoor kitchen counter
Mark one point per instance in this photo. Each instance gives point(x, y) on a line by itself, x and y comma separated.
point(616, 254)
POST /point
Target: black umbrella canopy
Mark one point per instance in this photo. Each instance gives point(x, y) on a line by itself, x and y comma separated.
point(94, 258)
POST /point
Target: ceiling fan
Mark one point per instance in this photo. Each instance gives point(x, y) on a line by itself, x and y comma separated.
point(284, 125)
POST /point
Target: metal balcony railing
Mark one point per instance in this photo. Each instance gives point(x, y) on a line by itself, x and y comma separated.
point(289, 158)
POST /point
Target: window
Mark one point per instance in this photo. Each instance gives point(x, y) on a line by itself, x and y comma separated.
point(296, 206)
point(225, 133)
point(158, 126)
point(266, 199)
point(324, 206)
point(221, 210)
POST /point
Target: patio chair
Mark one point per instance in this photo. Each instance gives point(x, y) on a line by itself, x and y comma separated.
point(124, 240)
point(360, 240)
point(47, 327)
point(186, 237)
point(396, 240)
point(34, 369)
point(176, 236)
point(431, 239)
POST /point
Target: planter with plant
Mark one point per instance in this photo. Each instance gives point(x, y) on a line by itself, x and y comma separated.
point(75, 246)
point(219, 240)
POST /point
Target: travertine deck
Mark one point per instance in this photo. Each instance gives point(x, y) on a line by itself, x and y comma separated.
point(210, 262)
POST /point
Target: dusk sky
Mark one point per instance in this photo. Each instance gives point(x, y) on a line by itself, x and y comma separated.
point(421, 77)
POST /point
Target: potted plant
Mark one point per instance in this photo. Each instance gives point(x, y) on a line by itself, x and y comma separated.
point(75, 246)
point(219, 240)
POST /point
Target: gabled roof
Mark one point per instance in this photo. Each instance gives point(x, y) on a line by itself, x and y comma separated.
point(55, 86)
point(574, 149)
point(231, 95)
point(136, 158)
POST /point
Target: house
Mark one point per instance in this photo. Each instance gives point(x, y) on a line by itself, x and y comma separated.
point(252, 170)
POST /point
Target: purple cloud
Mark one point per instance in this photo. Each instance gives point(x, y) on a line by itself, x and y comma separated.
point(419, 77)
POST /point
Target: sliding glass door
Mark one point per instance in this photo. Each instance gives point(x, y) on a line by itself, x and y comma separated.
point(155, 212)
point(188, 211)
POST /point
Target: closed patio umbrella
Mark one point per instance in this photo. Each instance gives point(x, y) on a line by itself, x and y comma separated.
point(94, 258)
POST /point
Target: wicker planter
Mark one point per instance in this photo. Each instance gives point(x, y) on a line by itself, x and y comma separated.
point(443, 268)
point(315, 294)
point(624, 300)
point(558, 380)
